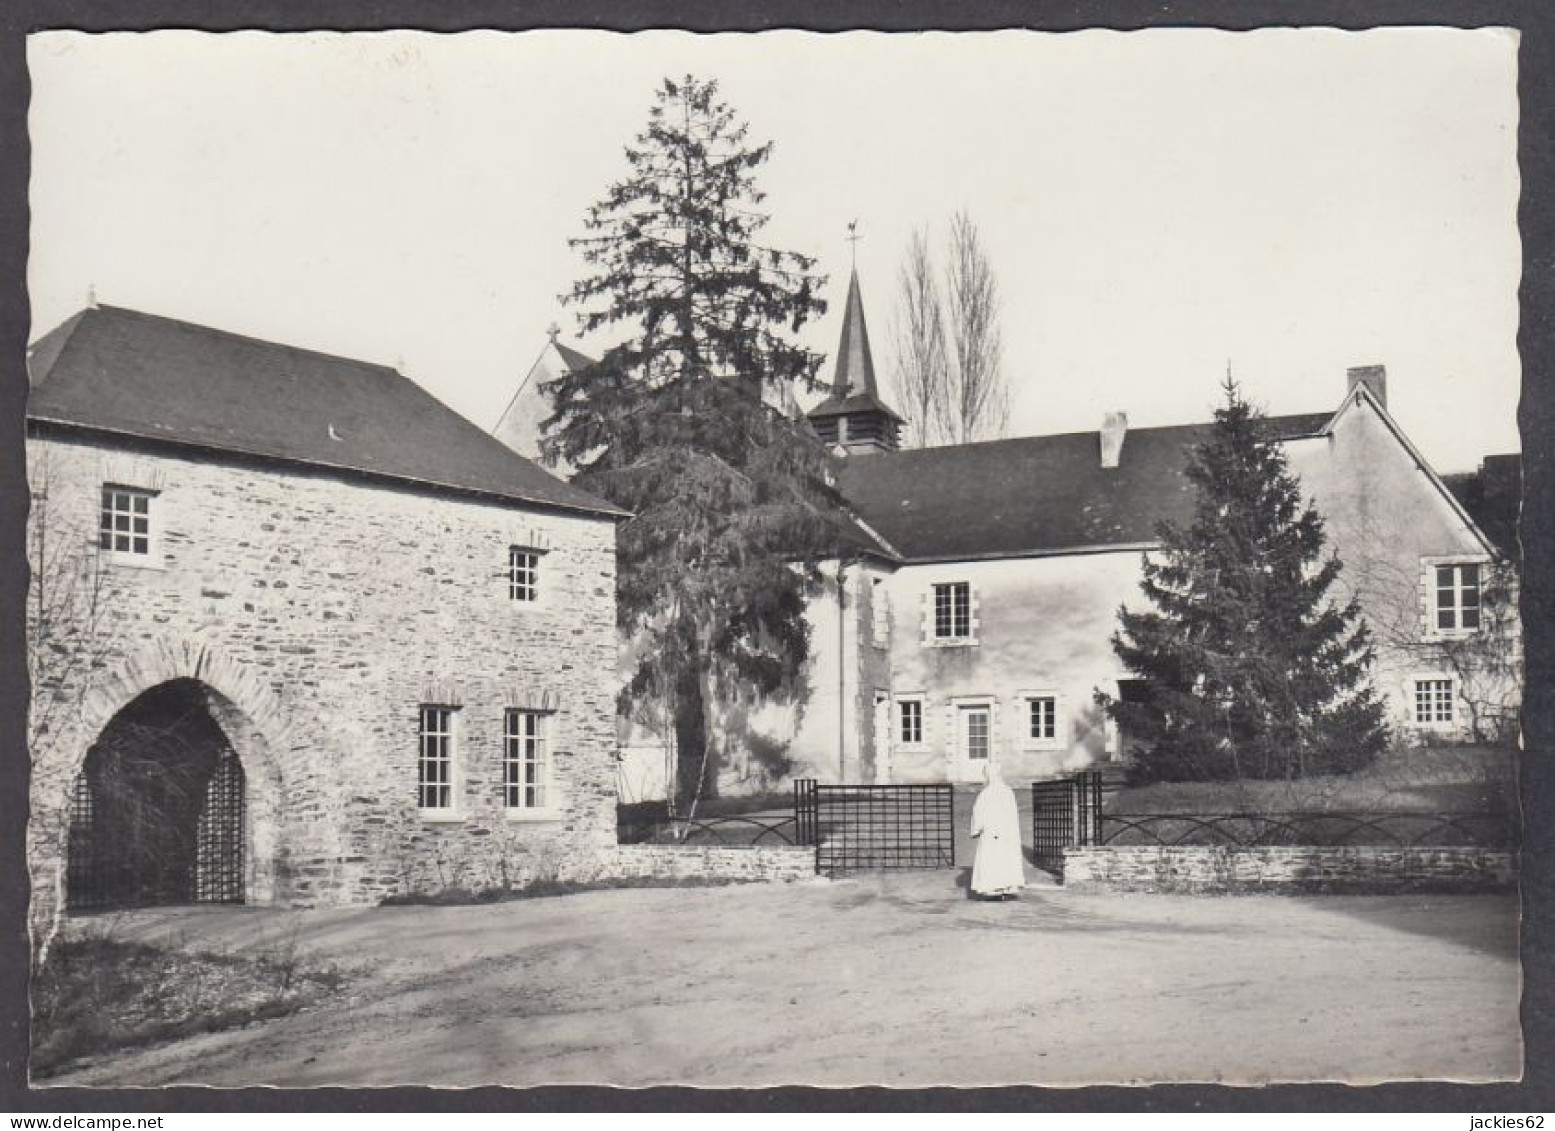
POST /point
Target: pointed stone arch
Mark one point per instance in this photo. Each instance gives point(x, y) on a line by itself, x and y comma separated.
point(248, 713)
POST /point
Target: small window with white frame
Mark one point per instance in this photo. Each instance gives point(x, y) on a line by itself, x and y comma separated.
point(524, 574)
point(952, 612)
point(436, 764)
point(1432, 701)
point(124, 524)
point(1042, 721)
point(909, 720)
point(526, 762)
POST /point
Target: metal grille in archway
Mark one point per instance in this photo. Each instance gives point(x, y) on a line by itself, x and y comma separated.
point(158, 811)
point(218, 861)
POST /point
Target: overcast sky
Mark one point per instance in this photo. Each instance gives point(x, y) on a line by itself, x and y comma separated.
point(1155, 203)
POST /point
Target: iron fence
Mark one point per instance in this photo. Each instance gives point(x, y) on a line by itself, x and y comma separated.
point(1068, 813)
point(734, 831)
point(1327, 829)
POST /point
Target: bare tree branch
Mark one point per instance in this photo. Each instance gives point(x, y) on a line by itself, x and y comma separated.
point(976, 406)
point(918, 328)
point(949, 365)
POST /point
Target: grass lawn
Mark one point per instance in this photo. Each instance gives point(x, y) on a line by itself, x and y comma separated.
point(1424, 780)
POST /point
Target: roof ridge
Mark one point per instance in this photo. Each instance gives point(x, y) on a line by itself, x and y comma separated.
point(1090, 432)
point(240, 337)
point(131, 373)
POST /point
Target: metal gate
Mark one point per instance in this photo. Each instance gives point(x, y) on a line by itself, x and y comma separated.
point(145, 845)
point(218, 858)
point(858, 828)
point(1064, 814)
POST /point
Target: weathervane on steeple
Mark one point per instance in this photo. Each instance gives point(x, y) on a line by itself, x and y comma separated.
point(553, 330)
point(853, 239)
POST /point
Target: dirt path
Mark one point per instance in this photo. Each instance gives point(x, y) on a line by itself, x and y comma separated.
point(878, 981)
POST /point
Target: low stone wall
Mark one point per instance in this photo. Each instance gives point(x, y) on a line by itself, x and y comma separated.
point(683, 861)
point(1225, 869)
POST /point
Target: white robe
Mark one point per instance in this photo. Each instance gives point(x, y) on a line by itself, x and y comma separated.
point(997, 868)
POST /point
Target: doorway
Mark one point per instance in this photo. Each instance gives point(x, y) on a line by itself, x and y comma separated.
point(974, 741)
point(157, 814)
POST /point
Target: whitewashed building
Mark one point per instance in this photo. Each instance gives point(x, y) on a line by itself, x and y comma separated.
point(973, 620)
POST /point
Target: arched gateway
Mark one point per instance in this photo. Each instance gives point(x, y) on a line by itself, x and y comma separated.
point(157, 813)
point(175, 796)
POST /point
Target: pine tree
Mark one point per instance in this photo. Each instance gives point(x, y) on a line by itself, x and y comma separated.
point(731, 501)
point(1251, 670)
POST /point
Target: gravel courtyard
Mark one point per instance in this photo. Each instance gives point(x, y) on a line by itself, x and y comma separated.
point(883, 980)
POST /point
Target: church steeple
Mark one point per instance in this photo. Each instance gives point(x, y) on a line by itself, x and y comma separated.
point(855, 362)
point(854, 416)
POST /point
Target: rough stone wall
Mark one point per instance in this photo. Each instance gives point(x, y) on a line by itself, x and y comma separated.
point(1218, 869)
point(321, 612)
point(493, 865)
point(695, 862)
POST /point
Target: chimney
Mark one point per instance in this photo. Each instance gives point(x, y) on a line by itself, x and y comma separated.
point(1374, 377)
point(1114, 427)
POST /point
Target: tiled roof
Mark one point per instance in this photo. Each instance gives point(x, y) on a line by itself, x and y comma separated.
point(1032, 495)
point(156, 378)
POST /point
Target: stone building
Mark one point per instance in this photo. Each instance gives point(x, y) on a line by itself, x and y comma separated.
point(300, 633)
point(973, 619)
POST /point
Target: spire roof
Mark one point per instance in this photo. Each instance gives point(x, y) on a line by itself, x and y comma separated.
point(853, 386)
point(855, 362)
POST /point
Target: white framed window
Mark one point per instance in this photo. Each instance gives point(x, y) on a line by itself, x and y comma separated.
point(1453, 595)
point(1432, 700)
point(524, 574)
point(909, 720)
point(437, 762)
point(125, 526)
point(951, 612)
point(1041, 721)
point(1457, 596)
point(526, 762)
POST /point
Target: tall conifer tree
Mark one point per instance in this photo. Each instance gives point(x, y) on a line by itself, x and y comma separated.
point(729, 495)
point(1251, 670)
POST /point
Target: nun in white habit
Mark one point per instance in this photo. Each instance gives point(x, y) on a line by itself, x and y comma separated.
point(997, 870)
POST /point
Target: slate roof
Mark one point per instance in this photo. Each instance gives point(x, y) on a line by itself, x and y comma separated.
point(142, 375)
point(858, 402)
point(1032, 495)
point(1493, 497)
